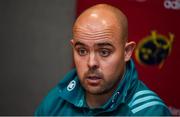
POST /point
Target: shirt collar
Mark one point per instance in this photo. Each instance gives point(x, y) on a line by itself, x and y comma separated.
point(120, 95)
point(71, 90)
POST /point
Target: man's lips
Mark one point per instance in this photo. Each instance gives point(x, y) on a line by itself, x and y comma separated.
point(93, 80)
point(94, 77)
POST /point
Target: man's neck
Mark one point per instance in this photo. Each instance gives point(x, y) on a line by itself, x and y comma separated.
point(95, 101)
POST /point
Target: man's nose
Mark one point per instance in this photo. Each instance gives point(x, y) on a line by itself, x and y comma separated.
point(92, 61)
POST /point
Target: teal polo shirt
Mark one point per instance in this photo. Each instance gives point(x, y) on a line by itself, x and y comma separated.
point(131, 98)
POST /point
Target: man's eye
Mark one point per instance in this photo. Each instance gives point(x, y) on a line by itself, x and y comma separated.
point(82, 52)
point(104, 52)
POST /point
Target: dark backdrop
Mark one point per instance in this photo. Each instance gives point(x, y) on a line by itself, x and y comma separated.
point(34, 51)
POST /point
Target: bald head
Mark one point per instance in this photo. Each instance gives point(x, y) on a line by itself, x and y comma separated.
point(101, 16)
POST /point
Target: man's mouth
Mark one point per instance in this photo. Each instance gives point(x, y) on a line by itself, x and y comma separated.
point(93, 80)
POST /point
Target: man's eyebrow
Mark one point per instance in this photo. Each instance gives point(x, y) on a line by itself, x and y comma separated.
point(100, 44)
point(104, 44)
point(79, 44)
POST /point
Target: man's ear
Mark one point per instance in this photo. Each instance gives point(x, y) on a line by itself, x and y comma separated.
point(72, 42)
point(129, 47)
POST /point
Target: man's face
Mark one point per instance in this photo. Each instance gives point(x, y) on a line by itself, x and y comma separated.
point(99, 59)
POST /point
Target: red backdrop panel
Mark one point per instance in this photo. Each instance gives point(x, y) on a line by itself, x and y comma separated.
point(143, 17)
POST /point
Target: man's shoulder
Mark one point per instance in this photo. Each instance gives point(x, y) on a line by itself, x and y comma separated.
point(48, 103)
point(144, 101)
point(55, 92)
point(54, 96)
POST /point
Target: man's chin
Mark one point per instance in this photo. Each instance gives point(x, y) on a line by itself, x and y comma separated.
point(94, 90)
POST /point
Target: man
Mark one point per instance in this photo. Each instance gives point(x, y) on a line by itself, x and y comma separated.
point(104, 81)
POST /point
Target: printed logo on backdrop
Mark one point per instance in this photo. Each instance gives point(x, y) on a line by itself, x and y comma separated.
point(154, 49)
point(172, 4)
point(168, 4)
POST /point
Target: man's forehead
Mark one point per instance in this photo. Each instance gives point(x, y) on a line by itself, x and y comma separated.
point(94, 35)
point(107, 35)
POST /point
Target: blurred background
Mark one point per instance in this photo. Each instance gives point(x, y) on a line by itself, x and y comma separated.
point(35, 52)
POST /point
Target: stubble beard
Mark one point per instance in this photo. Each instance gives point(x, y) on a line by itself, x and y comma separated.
point(104, 86)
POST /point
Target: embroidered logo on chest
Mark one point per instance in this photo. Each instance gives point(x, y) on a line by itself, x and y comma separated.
point(71, 85)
